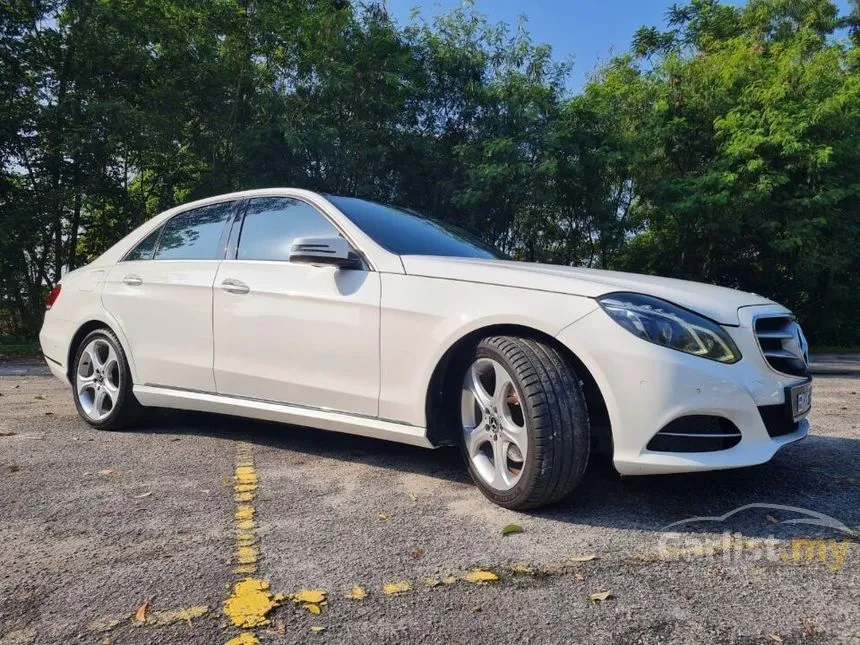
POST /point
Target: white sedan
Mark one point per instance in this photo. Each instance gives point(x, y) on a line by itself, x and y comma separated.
point(347, 315)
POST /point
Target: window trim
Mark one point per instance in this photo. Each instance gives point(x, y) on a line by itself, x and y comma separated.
point(232, 250)
point(222, 240)
point(158, 230)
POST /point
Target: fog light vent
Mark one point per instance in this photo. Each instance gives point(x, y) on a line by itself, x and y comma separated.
point(696, 433)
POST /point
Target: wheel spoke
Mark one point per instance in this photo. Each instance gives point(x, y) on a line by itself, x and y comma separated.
point(484, 398)
point(99, 401)
point(500, 462)
point(85, 382)
point(504, 384)
point(515, 434)
point(475, 439)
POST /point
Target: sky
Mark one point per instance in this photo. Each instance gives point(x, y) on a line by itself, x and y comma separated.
point(588, 31)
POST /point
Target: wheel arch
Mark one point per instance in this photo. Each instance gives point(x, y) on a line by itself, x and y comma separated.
point(441, 421)
point(91, 325)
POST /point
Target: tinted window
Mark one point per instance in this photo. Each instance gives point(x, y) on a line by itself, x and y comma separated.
point(272, 223)
point(195, 234)
point(143, 251)
point(407, 233)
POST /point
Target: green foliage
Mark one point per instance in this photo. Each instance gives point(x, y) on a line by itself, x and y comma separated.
point(723, 149)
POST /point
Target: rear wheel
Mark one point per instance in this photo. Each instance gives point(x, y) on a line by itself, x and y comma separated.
point(102, 382)
point(525, 433)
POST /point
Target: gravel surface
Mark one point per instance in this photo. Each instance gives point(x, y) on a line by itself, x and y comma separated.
point(95, 523)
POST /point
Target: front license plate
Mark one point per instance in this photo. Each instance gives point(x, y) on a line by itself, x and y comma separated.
point(801, 400)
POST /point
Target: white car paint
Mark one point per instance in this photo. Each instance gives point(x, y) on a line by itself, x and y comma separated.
point(355, 351)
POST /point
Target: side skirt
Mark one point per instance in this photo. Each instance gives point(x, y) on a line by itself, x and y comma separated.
point(162, 397)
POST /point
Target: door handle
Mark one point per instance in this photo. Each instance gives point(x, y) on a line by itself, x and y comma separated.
point(132, 280)
point(235, 286)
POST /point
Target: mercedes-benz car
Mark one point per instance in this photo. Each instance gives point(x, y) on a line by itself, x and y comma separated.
point(341, 314)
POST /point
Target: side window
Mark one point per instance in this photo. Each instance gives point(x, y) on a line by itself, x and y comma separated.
point(272, 223)
point(144, 248)
point(195, 234)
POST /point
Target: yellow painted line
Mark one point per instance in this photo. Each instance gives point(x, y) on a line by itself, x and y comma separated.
point(250, 600)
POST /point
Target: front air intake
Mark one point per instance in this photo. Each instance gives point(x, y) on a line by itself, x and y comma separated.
point(696, 433)
point(783, 345)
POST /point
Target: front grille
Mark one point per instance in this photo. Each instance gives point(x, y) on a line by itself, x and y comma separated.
point(696, 433)
point(783, 344)
point(776, 420)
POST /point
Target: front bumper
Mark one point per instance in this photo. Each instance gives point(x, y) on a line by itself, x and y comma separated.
point(645, 387)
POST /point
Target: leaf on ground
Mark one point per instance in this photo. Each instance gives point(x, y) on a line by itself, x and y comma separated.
point(518, 567)
point(449, 580)
point(107, 472)
point(169, 617)
point(356, 593)
point(39, 397)
point(432, 582)
point(245, 638)
point(480, 575)
point(476, 609)
point(313, 608)
point(417, 554)
point(578, 576)
point(142, 495)
point(776, 638)
point(413, 497)
point(583, 558)
point(393, 588)
point(312, 596)
point(771, 519)
point(140, 614)
point(317, 628)
point(600, 596)
point(384, 516)
point(510, 529)
point(8, 434)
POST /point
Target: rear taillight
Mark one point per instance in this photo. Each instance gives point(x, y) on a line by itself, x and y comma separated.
point(53, 294)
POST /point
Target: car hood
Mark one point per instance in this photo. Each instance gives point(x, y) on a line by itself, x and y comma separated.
point(717, 303)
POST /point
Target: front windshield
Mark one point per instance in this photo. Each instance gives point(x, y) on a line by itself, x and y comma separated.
point(408, 233)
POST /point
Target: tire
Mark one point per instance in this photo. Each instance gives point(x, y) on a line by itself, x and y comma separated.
point(540, 405)
point(101, 373)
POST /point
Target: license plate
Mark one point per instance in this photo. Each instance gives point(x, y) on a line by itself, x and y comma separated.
point(801, 400)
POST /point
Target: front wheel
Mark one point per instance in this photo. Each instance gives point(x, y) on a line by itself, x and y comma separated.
point(102, 382)
point(525, 432)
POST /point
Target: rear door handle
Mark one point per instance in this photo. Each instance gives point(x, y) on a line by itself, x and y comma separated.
point(235, 286)
point(132, 280)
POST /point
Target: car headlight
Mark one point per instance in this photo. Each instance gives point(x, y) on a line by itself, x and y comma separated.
point(663, 323)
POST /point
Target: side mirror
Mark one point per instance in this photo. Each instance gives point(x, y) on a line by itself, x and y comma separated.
point(334, 251)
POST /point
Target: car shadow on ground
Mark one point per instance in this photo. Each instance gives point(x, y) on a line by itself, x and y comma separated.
point(817, 474)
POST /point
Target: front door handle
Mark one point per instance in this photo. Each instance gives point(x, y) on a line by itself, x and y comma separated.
point(235, 286)
point(132, 280)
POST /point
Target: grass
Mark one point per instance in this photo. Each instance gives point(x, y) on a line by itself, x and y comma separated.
point(25, 349)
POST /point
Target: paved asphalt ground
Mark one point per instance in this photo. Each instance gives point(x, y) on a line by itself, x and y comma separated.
point(94, 523)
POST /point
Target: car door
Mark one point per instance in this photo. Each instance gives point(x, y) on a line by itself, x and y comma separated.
point(289, 332)
point(161, 295)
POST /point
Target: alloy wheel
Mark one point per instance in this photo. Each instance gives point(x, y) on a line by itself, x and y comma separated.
point(97, 379)
point(494, 428)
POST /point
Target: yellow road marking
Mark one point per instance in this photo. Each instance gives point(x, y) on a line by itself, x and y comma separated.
point(250, 601)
